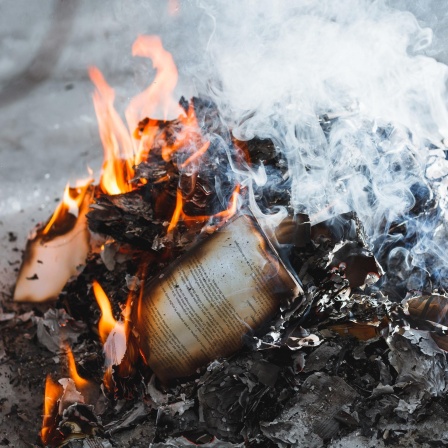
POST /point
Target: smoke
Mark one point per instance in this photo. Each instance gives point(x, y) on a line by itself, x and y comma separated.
point(350, 98)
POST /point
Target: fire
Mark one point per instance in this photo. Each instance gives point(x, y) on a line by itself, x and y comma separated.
point(223, 215)
point(187, 138)
point(233, 205)
point(189, 135)
point(80, 382)
point(114, 334)
point(196, 155)
point(121, 148)
point(107, 321)
point(117, 143)
point(159, 95)
point(53, 392)
point(57, 250)
point(71, 202)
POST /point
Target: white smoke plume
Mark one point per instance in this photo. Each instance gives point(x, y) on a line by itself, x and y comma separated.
point(347, 94)
point(352, 93)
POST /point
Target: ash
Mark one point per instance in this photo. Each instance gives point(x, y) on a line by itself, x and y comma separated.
point(360, 361)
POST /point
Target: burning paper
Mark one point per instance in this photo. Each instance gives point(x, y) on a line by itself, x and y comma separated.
point(57, 250)
point(352, 114)
point(222, 289)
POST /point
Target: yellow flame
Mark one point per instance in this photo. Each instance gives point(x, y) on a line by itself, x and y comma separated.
point(107, 321)
point(79, 381)
point(53, 391)
point(71, 201)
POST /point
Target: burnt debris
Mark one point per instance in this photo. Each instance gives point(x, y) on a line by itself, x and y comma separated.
point(347, 361)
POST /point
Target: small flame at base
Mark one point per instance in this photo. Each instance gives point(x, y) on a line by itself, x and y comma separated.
point(53, 392)
point(114, 335)
point(80, 382)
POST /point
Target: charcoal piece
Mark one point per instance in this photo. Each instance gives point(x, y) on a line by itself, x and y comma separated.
point(208, 118)
point(232, 400)
point(265, 372)
point(157, 170)
point(363, 316)
point(258, 151)
point(312, 416)
point(182, 441)
point(318, 358)
point(130, 418)
point(172, 424)
point(315, 246)
point(133, 203)
point(275, 192)
point(220, 404)
point(128, 218)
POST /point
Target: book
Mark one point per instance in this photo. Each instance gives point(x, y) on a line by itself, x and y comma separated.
point(200, 308)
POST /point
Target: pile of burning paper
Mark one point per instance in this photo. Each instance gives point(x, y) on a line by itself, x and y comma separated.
point(197, 298)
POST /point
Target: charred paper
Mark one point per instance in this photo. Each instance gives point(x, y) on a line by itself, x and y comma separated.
point(225, 287)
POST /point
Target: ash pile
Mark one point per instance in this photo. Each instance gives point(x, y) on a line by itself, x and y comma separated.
point(353, 352)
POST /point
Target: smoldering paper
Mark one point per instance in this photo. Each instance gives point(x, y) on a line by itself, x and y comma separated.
point(194, 314)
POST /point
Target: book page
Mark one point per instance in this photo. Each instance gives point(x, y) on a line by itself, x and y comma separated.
point(199, 310)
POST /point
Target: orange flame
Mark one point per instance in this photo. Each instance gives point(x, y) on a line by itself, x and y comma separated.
point(53, 391)
point(224, 215)
point(71, 201)
point(233, 205)
point(107, 321)
point(160, 93)
point(121, 152)
point(178, 212)
point(117, 143)
point(188, 135)
point(79, 381)
point(195, 155)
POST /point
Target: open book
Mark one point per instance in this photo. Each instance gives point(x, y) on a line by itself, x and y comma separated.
point(221, 289)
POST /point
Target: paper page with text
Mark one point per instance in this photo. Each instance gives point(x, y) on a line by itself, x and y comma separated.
point(221, 289)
